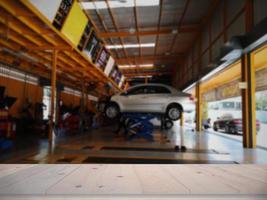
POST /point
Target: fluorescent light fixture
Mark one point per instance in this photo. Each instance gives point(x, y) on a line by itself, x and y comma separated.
point(174, 31)
point(18, 75)
point(127, 46)
point(118, 4)
point(148, 76)
point(135, 66)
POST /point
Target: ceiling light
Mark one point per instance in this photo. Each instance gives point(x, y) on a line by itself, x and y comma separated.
point(167, 53)
point(118, 4)
point(136, 66)
point(126, 46)
point(174, 31)
point(148, 76)
point(132, 30)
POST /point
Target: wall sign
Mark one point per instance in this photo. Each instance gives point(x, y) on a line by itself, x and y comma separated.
point(62, 13)
point(85, 37)
point(102, 59)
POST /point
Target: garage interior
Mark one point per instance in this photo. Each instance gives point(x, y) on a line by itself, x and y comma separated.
point(61, 61)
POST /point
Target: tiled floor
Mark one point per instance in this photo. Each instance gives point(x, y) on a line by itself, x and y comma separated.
point(103, 146)
point(98, 181)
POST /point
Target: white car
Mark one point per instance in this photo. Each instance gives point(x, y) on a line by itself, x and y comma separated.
point(151, 98)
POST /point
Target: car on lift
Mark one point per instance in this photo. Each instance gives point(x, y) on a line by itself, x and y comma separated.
point(230, 124)
point(151, 98)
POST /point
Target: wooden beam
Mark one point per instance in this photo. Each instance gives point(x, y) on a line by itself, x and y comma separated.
point(198, 107)
point(133, 75)
point(249, 15)
point(49, 48)
point(162, 31)
point(158, 28)
point(180, 24)
point(137, 27)
point(115, 26)
point(179, 58)
point(248, 101)
point(101, 20)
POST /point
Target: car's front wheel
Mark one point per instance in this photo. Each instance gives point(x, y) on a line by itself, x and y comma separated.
point(112, 110)
point(174, 112)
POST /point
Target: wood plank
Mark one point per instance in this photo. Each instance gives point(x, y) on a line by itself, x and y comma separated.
point(38, 182)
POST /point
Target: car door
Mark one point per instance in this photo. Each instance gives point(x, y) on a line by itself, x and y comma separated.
point(133, 99)
point(154, 99)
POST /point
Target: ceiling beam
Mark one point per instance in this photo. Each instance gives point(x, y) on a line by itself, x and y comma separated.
point(135, 75)
point(167, 30)
point(137, 27)
point(177, 58)
point(115, 25)
point(180, 23)
point(158, 27)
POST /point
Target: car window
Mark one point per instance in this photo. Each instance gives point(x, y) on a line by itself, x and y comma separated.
point(156, 90)
point(136, 90)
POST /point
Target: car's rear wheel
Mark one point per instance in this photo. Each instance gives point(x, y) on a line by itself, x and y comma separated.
point(174, 112)
point(227, 129)
point(215, 127)
point(233, 130)
point(112, 110)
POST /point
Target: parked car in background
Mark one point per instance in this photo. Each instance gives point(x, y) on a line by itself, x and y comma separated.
point(151, 98)
point(230, 124)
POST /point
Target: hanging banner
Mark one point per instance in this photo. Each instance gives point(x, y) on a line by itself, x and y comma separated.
point(261, 79)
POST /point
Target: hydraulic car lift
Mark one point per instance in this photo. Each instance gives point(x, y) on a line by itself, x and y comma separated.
point(140, 125)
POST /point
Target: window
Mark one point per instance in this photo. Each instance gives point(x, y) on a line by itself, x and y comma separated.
point(136, 90)
point(156, 90)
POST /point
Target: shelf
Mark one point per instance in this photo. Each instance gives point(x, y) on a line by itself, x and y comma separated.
point(33, 33)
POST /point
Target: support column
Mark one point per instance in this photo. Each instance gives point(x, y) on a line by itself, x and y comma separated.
point(53, 92)
point(182, 119)
point(146, 80)
point(82, 110)
point(248, 101)
point(198, 108)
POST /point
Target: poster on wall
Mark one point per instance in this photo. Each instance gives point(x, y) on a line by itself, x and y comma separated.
point(85, 37)
point(61, 13)
point(109, 66)
point(102, 59)
point(92, 46)
point(118, 77)
point(75, 24)
point(122, 81)
point(113, 73)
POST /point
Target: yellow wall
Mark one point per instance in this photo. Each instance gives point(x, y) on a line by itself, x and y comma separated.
point(15, 88)
point(75, 24)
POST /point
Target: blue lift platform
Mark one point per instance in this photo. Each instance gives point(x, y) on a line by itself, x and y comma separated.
point(139, 125)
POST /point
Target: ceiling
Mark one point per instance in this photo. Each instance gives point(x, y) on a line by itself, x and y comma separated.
point(171, 26)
